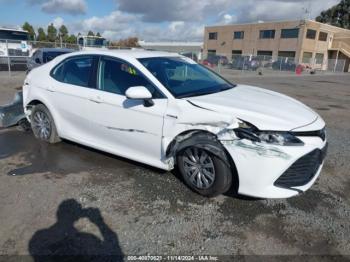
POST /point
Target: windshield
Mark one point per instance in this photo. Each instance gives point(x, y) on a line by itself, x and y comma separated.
point(185, 78)
point(13, 35)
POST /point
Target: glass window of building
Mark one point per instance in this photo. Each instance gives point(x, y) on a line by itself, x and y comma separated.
point(290, 33)
point(267, 34)
point(319, 58)
point(307, 56)
point(311, 34)
point(213, 36)
point(238, 35)
point(322, 36)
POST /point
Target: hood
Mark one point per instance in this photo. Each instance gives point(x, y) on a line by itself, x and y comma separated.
point(265, 109)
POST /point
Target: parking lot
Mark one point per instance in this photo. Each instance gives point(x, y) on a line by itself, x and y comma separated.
point(149, 211)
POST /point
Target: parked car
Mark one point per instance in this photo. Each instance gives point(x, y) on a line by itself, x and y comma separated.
point(165, 110)
point(191, 55)
point(245, 63)
point(284, 65)
point(44, 55)
point(214, 60)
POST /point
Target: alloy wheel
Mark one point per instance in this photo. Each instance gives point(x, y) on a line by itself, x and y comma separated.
point(41, 125)
point(199, 167)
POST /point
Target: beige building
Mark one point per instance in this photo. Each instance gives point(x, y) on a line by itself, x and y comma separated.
point(306, 41)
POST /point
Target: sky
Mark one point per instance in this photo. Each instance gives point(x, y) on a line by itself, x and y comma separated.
point(153, 20)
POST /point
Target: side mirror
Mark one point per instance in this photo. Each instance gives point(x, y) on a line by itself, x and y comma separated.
point(37, 60)
point(140, 93)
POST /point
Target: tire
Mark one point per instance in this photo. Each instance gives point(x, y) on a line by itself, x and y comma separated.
point(43, 125)
point(211, 163)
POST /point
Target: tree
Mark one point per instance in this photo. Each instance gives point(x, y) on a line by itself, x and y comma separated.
point(98, 34)
point(41, 34)
point(338, 15)
point(90, 33)
point(72, 39)
point(28, 27)
point(63, 31)
point(128, 42)
point(51, 33)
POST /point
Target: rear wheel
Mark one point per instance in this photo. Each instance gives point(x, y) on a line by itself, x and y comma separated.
point(204, 172)
point(43, 125)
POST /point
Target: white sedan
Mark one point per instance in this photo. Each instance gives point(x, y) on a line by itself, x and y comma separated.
point(167, 111)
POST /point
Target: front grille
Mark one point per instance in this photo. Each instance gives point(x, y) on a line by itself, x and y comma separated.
point(17, 52)
point(303, 170)
point(319, 133)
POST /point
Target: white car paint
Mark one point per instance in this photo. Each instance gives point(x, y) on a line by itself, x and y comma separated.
point(114, 124)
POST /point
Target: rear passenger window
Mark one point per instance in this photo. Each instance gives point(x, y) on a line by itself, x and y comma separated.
point(117, 76)
point(75, 71)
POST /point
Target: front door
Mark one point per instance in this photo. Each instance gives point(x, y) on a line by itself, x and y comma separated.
point(123, 126)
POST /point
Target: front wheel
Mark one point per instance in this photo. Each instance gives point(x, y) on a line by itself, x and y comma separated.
point(42, 124)
point(204, 172)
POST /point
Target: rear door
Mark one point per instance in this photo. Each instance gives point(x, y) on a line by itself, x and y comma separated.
point(74, 85)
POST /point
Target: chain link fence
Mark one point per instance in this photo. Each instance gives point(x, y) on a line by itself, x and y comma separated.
point(15, 54)
point(262, 64)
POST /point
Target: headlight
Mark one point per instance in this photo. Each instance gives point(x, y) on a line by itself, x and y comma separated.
point(250, 132)
point(279, 138)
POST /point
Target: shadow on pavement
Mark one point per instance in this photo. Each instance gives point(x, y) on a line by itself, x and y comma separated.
point(63, 242)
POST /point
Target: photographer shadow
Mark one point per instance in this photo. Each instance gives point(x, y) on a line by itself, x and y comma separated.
point(63, 242)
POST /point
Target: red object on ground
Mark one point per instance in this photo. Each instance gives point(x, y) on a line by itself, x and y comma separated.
point(299, 69)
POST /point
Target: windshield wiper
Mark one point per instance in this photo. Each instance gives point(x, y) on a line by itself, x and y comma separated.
point(207, 92)
point(197, 94)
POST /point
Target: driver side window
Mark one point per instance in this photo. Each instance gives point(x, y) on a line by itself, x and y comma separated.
point(117, 76)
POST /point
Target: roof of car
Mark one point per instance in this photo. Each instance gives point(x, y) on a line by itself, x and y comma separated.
point(48, 49)
point(134, 53)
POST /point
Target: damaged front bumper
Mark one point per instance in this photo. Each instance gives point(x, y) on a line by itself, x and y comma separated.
point(13, 113)
point(272, 171)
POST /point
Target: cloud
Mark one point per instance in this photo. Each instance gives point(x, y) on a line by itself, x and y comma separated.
point(269, 10)
point(238, 10)
point(184, 20)
point(171, 10)
point(175, 31)
point(227, 19)
point(72, 7)
point(115, 25)
point(58, 22)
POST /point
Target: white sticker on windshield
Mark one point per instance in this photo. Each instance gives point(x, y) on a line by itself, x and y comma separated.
point(188, 60)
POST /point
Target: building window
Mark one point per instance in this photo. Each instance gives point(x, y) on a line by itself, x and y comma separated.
point(290, 33)
point(319, 58)
point(307, 57)
point(322, 36)
point(286, 54)
point(213, 36)
point(211, 52)
point(311, 34)
point(236, 52)
point(264, 53)
point(267, 34)
point(238, 35)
